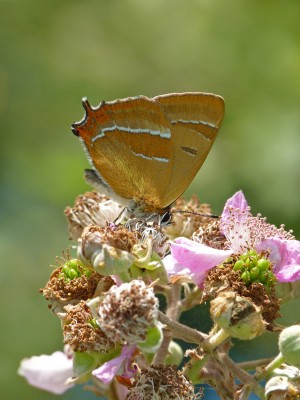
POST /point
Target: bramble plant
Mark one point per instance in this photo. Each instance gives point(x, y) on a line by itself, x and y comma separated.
point(117, 338)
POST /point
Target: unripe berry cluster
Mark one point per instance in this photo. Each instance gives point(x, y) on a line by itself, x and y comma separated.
point(254, 268)
point(74, 269)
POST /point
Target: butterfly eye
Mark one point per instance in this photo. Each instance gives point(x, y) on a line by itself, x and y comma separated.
point(166, 218)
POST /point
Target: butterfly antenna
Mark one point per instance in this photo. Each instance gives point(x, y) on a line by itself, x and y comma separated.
point(195, 213)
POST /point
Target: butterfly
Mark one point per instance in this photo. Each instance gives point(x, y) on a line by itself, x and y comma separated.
point(146, 151)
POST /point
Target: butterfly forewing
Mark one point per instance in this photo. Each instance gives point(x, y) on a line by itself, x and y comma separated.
point(116, 136)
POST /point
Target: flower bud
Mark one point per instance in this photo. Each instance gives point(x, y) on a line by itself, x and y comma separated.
point(237, 315)
point(175, 354)
point(285, 384)
point(289, 344)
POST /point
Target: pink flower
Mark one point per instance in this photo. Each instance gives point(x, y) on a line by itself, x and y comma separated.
point(193, 259)
point(243, 231)
point(285, 255)
point(121, 365)
point(49, 373)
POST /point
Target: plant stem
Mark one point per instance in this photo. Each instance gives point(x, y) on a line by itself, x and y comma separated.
point(173, 300)
point(243, 376)
point(278, 360)
point(214, 341)
point(253, 364)
point(182, 332)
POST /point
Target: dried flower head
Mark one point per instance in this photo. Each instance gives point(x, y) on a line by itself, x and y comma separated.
point(113, 235)
point(126, 312)
point(150, 230)
point(225, 278)
point(108, 249)
point(186, 224)
point(81, 332)
point(71, 283)
point(209, 233)
point(162, 382)
point(91, 208)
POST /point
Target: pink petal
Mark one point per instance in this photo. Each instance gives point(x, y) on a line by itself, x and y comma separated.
point(48, 372)
point(116, 366)
point(197, 258)
point(285, 255)
point(290, 273)
point(108, 370)
point(238, 200)
point(233, 222)
point(173, 267)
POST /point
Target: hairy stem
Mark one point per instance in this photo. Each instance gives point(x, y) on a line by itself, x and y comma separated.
point(243, 376)
point(182, 332)
point(252, 365)
point(173, 300)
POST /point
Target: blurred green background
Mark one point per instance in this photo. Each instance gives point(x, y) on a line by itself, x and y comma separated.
point(55, 52)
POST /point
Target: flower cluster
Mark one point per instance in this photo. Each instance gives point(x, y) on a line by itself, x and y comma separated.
point(120, 337)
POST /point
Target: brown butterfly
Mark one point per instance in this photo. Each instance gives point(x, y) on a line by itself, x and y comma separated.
point(146, 151)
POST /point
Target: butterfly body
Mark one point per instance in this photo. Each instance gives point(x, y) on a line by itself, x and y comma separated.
point(146, 151)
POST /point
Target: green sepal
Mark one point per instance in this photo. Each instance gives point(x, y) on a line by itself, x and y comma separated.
point(112, 261)
point(153, 338)
point(194, 370)
point(85, 362)
point(175, 354)
point(152, 263)
point(156, 271)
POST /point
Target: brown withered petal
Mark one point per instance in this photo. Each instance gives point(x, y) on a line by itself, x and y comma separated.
point(90, 208)
point(220, 279)
point(162, 382)
point(209, 234)
point(127, 311)
point(60, 292)
point(114, 235)
point(80, 334)
point(186, 224)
